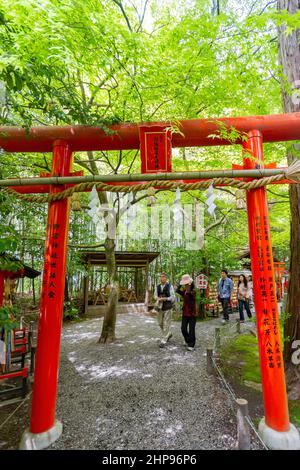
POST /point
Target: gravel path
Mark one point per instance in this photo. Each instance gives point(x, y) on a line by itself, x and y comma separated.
point(134, 395)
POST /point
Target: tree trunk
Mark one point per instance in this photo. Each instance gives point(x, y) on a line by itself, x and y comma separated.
point(289, 48)
point(109, 322)
point(66, 294)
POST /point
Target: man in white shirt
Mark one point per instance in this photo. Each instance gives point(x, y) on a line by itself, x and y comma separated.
point(164, 296)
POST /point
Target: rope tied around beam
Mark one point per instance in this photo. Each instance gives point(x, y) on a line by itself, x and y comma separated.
point(291, 174)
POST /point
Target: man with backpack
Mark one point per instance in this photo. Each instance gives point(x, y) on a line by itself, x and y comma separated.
point(164, 296)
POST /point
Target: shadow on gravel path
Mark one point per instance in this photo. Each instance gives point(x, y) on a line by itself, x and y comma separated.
point(133, 395)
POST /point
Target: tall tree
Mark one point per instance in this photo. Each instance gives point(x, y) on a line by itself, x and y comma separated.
point(289, 50)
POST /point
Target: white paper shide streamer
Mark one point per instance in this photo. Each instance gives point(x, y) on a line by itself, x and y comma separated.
point(177, 209)
point(210, 201)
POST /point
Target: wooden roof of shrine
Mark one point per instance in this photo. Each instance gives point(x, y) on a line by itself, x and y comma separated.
point(20, 269)
point(134, 259)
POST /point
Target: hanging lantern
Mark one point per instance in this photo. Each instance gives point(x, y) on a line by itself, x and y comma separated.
point(75, 202)
point(240, 203)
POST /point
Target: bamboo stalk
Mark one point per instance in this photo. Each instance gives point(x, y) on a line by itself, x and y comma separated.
point(188, 175)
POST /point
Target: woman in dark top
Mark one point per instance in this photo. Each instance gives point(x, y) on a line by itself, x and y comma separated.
point(186, 289)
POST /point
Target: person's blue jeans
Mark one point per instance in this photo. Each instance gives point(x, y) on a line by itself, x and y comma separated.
point(242, 304)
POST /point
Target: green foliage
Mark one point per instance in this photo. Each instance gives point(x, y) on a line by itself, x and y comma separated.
point(7, 244)
point(231, 134)
point(7, 318)
point(294, 409)
point(8, 239)
point(7, 264)
point(70, 312)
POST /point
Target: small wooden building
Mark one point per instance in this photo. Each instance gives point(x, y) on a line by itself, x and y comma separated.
point(133, 274)
point(8, 276)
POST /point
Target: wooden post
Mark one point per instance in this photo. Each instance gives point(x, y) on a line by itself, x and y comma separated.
point(243, 431)
point(146, 284)
point(136, 281)
point(86, 293)
point(30, 335)
point(209, 362)
point(217, 337)
point(32, 359)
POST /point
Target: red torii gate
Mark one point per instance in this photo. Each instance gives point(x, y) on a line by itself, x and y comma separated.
point(275, 429)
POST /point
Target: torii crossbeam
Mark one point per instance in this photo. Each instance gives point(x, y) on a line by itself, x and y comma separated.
point(276, 429)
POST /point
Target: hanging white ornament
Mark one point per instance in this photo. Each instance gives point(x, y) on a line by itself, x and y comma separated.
point(94, 204)
point(95, 213)
point(210, 201)
point(177, 209)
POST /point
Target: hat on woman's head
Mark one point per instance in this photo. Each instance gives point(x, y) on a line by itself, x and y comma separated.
point(186, 279)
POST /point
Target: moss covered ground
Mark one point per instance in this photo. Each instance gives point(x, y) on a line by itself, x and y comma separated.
point(240, 363)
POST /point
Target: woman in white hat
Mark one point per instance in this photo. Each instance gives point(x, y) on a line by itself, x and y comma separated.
point(186, 289)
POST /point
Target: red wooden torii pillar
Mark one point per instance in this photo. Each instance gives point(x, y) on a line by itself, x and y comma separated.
point(44, 428)
point(275, 429)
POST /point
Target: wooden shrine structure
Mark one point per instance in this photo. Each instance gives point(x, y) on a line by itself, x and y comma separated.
point(136, 291)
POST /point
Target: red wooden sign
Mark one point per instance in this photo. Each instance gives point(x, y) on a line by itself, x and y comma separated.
point(155, 147)
point(201, 281)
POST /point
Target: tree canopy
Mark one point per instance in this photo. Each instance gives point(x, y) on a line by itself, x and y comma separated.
point(102, 62)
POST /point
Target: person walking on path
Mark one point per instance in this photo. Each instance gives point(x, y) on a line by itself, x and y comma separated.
point(250, 288)
point(186, 290)
point(225, 288)
point(164, 296)
point(243, 295)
